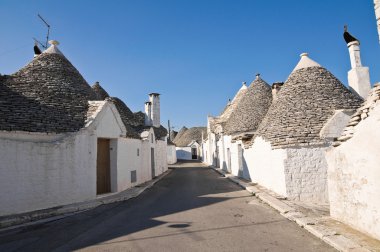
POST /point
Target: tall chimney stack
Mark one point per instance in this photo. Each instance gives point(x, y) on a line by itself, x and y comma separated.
point(154, 98)
point(276, 86)
point(358, 76)
point(148, 114)
point(377, 14)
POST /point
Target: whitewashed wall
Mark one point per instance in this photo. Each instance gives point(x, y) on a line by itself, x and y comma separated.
point(183, 153)
point(128, 160)
point(306, 174)
point(225, 143)
point(40, 172)
point(172, 156)
point(161, 156)
point(354, 177)
point(266, 166)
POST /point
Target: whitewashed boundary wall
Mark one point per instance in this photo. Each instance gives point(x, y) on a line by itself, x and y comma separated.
point(354, 175)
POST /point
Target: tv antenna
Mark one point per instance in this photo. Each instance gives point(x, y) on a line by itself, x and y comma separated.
point(45, 46)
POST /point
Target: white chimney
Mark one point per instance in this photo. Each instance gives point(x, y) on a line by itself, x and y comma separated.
point(377, 14)
point(358, 76)
point(275, 89)
point(148, 113)
point(154, 98)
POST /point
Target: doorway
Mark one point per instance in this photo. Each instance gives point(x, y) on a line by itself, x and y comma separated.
point(228, 160)
point(103, 167)
point(152, 164)
point(240, 161)
point(194, 154)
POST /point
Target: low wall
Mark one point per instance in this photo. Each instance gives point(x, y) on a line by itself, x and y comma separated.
point(183, 153)
point(172, 156)
point(266, 166)
point(128, 160)
point(42, 171)
point(354, 177)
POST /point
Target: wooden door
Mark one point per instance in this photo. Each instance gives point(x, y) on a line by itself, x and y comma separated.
point(152, 164)
point(103, 171)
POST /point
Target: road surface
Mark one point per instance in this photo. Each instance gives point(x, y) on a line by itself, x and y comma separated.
point(191, 209)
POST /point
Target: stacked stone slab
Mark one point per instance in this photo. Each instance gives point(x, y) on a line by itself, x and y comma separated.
point(100, 92)
point(187, 136)
point(307, 100)
point(217, 124)
point(251, 109)
point(47, 95)
point(180, 133)
point(360, 115)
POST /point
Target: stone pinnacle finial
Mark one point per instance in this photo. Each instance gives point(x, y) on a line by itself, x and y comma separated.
point(304, 54)
point(244, 83)
point(53, 42)
point(257, 76)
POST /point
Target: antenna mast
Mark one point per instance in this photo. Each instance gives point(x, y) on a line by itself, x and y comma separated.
point(47, 35)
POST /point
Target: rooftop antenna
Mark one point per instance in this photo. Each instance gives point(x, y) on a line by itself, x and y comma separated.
point(45, 46)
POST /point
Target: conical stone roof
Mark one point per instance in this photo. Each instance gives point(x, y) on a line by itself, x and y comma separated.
point(251, 109)
point(100, 92)
point(180, 133)
point(308, 98)
point(218, 123)
point(47, 95)
point(127, 117)
point(189, 135)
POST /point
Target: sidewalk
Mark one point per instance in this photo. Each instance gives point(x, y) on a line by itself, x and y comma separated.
point(314, 218)
point(50, 214)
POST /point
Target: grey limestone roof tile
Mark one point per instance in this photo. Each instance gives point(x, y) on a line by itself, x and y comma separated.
point(185, 137)
point(251, 109)
point(100, 92)
point(47, 95)
point(308, 98)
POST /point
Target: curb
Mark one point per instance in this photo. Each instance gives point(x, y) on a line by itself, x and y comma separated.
point(328, 235)
point(46, 215)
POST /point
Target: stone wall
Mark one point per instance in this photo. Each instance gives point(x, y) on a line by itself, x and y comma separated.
point(306, 174)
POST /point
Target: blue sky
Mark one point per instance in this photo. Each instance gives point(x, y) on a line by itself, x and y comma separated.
point(195, 53)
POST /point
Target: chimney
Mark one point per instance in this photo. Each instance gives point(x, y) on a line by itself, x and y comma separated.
point(358, 76)
point(276, 86)
point(377, 14)
point(154, 99)
point(148, 114)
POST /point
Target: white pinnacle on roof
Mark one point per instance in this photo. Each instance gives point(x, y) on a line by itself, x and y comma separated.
point(305, 62)
point(53, 48)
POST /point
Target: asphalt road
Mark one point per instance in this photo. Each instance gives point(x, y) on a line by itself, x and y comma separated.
point(191, 209)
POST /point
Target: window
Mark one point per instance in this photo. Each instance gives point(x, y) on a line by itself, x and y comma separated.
point(151, 137)
point(138, 152)
point(133, 176)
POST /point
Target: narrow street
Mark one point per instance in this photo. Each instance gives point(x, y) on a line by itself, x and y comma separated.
point(191, 209)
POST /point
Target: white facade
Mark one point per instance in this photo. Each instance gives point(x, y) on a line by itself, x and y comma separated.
point(171, 154)
point(354, 175)
point(186, 153)
point(41, 170)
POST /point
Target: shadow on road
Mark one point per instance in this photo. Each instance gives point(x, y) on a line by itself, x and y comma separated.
point(189, 186)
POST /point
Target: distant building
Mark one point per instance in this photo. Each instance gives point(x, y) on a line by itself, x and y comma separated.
point(188, 143)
